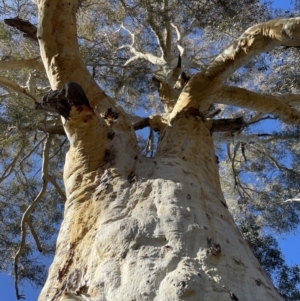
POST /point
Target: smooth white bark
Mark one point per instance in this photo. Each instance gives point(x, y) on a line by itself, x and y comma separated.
point(139, 228)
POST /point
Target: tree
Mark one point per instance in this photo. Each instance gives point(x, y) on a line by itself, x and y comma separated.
point(137, 227)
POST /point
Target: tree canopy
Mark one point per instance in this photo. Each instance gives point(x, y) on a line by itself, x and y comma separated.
point(136, 51)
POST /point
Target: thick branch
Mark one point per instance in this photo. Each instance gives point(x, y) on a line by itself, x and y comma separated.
point(20, 64)
point(256, 39)
point(60, 51)
point(61, 101)
point(276, 105)
point(168, 96)
point(202, 89)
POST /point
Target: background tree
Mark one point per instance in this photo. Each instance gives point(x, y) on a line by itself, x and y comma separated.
point(131, 50)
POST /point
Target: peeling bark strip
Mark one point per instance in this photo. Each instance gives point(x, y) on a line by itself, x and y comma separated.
point(24, 26)
point(61, 101)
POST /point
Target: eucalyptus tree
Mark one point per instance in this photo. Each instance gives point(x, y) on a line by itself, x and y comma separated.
point(141, 227)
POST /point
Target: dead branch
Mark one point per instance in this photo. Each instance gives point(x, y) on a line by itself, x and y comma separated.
point(228, 125)
point(29, 30)
point(141, 124)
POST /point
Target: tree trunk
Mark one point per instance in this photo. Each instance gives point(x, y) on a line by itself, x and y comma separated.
point(138, 228)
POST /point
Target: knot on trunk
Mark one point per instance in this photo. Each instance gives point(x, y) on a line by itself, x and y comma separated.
point(212, 248)
point(61, 101)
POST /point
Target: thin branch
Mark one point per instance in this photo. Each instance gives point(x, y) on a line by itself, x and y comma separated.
point(237, 181)
point(156, 30)
point(31, 152)
point(8, 170)
point(213, 114)
point(241, 137)
point(150, 144)
point(232, 159)
point(168, 31)
point(139, 55)
point(10, 84)
point(28, 211)
point(274, 161)
point(179, 40)
point(56, 186)
point(258, 118)
point(35, 236)
point(294, 199)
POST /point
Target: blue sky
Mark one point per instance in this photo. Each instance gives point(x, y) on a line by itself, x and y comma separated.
point(289, 244)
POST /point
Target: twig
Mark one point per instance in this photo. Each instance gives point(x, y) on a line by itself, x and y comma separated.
point(237, 181)
point(31, 152)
